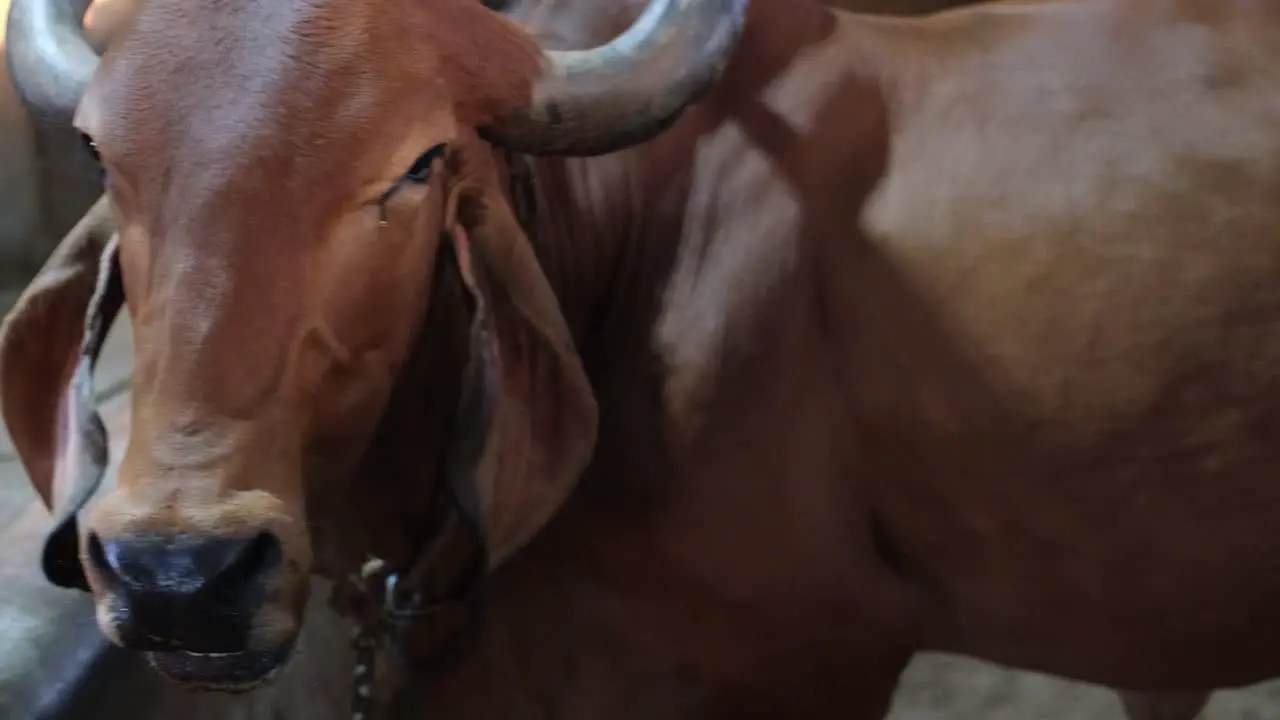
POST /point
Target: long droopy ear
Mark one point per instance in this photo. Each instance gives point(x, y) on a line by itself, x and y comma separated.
point(49, 343)
point(527, 427)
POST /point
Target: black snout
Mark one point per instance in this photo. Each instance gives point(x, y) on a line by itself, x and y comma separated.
point(197, 594)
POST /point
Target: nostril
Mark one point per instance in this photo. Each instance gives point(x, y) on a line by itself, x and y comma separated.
point(98, 557)
point(184, 565)
point(192, 592)
point(252, 559)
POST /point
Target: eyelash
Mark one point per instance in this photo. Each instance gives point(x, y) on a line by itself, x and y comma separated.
point(419, 173)
point(92, 147)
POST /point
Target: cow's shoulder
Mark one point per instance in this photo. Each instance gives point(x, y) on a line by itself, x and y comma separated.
point(1060, 172)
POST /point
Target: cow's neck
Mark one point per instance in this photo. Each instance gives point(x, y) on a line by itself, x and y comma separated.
point(624, 236)
point(612, 232)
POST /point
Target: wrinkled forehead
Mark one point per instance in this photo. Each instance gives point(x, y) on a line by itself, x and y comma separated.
point(225, 85)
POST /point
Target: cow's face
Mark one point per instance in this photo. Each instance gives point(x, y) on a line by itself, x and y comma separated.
point(283, 178)
point(279, 202)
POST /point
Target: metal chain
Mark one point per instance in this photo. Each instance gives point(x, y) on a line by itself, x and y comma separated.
point(359, 596)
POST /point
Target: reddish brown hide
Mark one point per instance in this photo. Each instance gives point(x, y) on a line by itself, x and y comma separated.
point(897, 7)
point(953, 333)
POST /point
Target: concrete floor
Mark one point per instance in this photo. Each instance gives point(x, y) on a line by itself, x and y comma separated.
point(939, 687)
point(935, 688)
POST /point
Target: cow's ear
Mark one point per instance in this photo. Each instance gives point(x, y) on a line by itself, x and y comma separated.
point(527, 425)
point(49, 343)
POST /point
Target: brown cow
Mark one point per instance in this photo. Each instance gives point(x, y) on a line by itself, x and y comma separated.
point(956, 333)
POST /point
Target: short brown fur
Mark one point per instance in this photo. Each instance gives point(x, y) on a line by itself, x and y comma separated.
point(952, 333)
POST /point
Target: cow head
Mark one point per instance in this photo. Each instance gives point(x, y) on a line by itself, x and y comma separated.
point(282, 178)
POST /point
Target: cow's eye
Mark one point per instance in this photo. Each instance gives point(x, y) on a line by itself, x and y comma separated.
point(91, 146)
point(419, 172)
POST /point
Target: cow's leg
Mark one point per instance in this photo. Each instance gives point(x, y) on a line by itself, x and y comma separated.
point(1163, 706)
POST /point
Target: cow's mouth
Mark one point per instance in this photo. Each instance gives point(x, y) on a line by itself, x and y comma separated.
point(222, 672)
